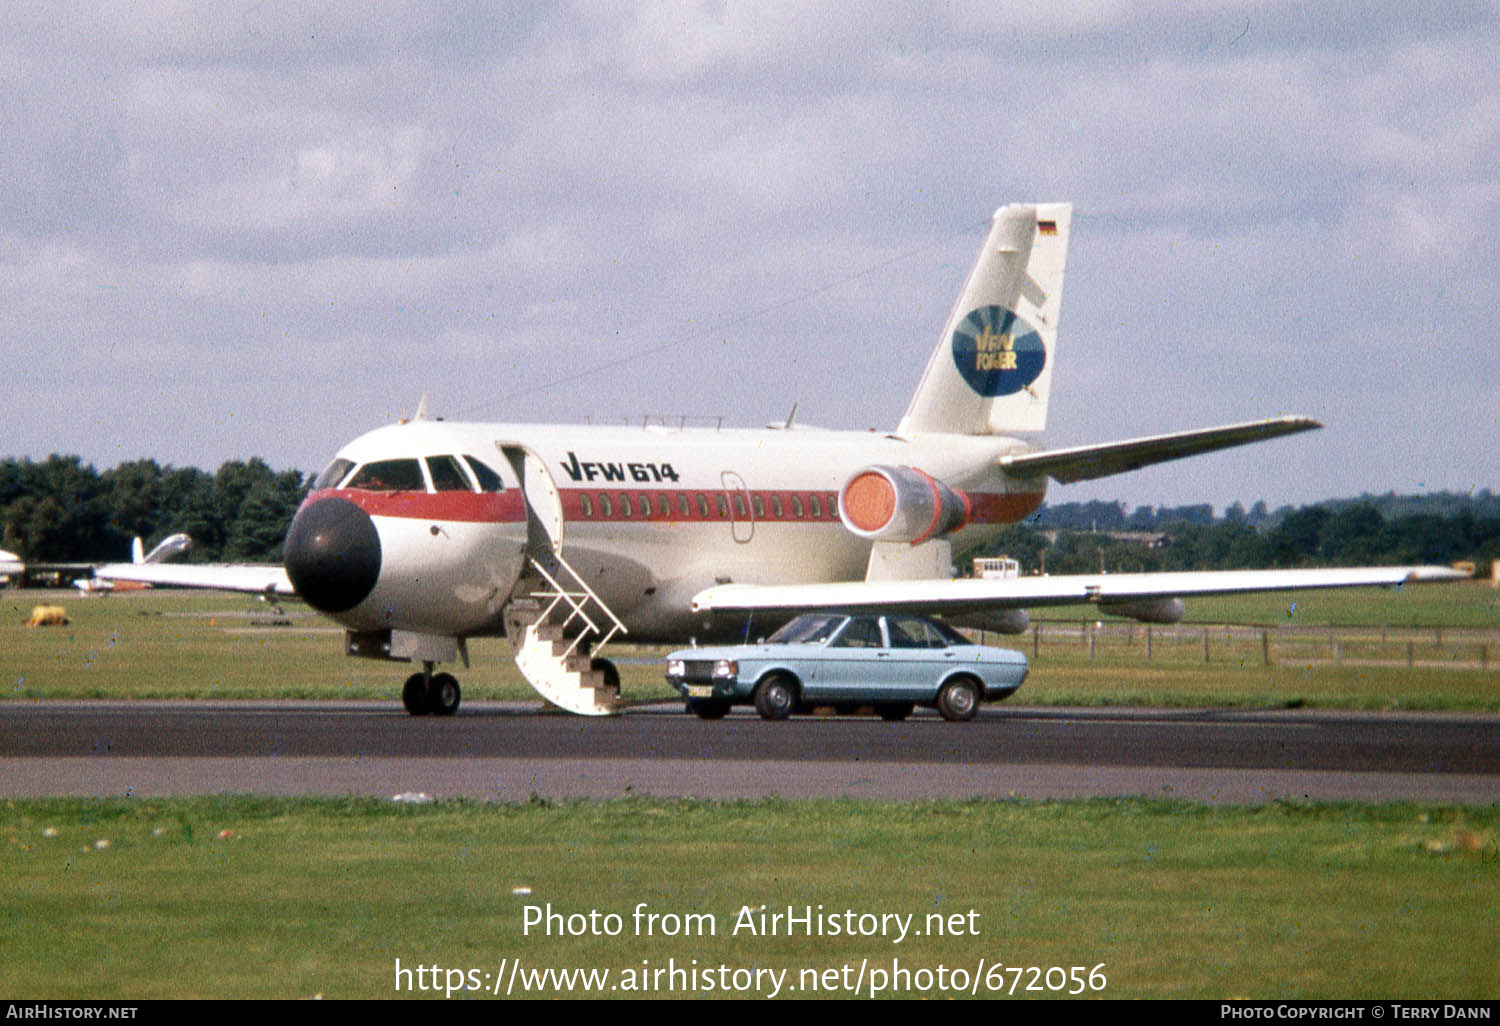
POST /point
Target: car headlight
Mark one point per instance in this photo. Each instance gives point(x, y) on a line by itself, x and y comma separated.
point(726, 668)
point(676, 668)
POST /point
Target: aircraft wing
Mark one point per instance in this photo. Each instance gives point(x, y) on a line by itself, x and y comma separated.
point(1080, 463)
point(994, 593)
point(256, 578)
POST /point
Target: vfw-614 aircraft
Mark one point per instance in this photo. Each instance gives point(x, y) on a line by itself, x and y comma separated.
point(423, 534)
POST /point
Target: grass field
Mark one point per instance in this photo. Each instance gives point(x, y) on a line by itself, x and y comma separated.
point(292, 899)
point(182, 645)
point(250, 897)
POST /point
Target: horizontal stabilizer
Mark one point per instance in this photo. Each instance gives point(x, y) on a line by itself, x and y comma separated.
point(976, 594)
point(1084, 462)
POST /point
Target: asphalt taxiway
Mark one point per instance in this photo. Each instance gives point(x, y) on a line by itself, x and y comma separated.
point(498, 751)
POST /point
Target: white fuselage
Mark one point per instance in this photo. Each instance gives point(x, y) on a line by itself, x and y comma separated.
point(647, 517)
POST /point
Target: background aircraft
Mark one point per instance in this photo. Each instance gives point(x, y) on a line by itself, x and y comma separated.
point(11, 565)
point(423, 534)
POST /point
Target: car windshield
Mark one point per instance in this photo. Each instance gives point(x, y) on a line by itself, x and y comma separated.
point(809, 629)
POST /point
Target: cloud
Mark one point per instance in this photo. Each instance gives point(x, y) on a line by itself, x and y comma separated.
point(1278, 207)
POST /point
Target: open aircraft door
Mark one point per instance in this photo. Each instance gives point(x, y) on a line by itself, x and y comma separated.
point(544, 511)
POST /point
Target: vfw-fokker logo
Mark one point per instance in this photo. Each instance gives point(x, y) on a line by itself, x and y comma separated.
point(997, 352)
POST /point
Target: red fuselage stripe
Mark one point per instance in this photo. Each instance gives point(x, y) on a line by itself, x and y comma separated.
point(509, 507)
point(456, 507)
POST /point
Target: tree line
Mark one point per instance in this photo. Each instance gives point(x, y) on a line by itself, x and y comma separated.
point(63, 510)
point(1442, 528)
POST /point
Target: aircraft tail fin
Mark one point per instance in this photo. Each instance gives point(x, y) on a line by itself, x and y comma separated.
point(992, 370)
point(172, 545)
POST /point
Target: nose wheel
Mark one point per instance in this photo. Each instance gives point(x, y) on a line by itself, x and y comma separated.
point(429, 693)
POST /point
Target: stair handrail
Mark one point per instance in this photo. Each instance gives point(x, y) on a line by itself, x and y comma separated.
point(577, 602)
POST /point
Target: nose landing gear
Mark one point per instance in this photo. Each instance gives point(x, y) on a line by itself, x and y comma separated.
point(430, 693)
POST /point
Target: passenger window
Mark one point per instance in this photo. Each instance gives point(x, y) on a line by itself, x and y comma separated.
point(389, 476)
point(759, 505)
point(723, 506)
point(644, 502)
point(624, 505)
point(663, 505)
point(586, 505)
point(797, 507)
point(447, 475)
point(817, 507)
point(606, 508)
point(489, 481)
point(776, 506)
point(684, 507)
point(862, 632)
point(740, 510)
point(702, 507)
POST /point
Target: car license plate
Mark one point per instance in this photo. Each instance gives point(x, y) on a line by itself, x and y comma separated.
point(700, 691)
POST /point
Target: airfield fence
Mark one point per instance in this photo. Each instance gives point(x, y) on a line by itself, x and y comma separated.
point(1428, 647)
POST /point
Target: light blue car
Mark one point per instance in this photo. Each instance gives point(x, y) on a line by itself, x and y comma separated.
point(894, 662)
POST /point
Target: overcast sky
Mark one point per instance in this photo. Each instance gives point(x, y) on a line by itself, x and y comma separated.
point(259, 229)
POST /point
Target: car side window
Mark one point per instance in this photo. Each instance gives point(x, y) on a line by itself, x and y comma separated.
point(862, 632)
point(908, 633)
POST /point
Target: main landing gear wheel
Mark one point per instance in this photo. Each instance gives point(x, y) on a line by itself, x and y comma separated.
point(443, 694)
point(775, 697)
point(959, 699)
point(414, 695)
point(611, 674)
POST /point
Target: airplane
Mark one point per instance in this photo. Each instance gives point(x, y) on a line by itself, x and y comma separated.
point(14, 570)
point(11, 565)
point(168, 548)
point(423, 534)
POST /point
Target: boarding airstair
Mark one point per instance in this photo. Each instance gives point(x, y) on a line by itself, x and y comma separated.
point(556, 630)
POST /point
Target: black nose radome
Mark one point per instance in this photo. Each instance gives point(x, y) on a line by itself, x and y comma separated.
point(332, 554)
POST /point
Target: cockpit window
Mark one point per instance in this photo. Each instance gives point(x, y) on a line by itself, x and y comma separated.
point(447, 475)
point(333, 474)
point(389, 476)
point(489, 481)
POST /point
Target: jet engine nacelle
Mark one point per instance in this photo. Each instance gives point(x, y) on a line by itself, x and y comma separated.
point(1001, 621)
point(900, 504)
point(1167, 610)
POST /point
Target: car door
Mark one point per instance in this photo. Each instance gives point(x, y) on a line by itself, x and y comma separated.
point(853, 662)
point(919, 656)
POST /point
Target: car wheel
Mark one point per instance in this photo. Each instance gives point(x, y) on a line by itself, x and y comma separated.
point(776, 697)
point(708, 708)
point(895, 713)
point(959, 699)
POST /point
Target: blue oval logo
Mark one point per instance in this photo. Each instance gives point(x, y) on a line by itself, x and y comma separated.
point(997, 352)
